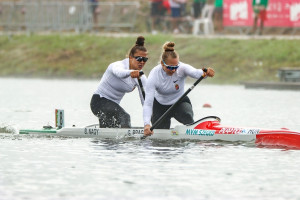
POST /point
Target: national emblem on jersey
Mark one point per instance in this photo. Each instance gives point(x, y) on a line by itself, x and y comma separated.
point(177, 87)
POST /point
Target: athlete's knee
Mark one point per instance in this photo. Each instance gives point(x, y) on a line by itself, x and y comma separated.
point(187, 117)
point(125, 121)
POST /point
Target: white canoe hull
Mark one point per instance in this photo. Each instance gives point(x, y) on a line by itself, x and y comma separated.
point(205, 129)
point(177, 133)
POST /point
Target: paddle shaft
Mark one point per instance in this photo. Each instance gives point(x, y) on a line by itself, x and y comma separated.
point(175, 104)
point(141, 84)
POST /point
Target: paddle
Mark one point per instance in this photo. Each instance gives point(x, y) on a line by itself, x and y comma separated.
point(141, 84)
point(176, 103)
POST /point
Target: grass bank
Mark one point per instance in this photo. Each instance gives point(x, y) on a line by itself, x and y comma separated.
point(87, 56)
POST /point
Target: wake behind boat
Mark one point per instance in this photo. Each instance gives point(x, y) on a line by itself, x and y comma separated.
point(205, 129)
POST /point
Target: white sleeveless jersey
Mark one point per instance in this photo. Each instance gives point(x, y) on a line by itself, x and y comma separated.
point(166, 89)
point(116, 81)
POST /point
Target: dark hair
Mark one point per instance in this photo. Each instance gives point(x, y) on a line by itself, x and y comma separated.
point(139, 46)
point(169, 51)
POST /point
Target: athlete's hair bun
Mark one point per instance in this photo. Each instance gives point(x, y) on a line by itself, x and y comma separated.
point(169, 46)
point(140, 41)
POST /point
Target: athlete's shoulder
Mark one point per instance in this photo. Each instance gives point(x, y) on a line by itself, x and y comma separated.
point(184, 65)
point(120, 63)
point(156, 69)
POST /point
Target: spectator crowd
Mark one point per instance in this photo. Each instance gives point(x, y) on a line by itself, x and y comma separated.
point(177, 16)
point(180, 16)
point(183, 16)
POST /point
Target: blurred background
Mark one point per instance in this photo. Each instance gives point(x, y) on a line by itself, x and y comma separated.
point(155, 16)
point(242, 39)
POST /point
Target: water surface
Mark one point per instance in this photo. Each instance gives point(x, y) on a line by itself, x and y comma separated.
point(82, 168)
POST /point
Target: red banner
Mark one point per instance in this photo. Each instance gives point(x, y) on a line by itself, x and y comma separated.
point(280, 13)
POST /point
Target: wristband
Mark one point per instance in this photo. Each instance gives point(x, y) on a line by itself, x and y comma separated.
point(204, 69)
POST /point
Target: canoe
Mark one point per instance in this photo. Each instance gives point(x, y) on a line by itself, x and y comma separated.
point(205, 129)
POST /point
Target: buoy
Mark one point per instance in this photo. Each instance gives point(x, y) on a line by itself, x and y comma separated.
point(206, 105)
